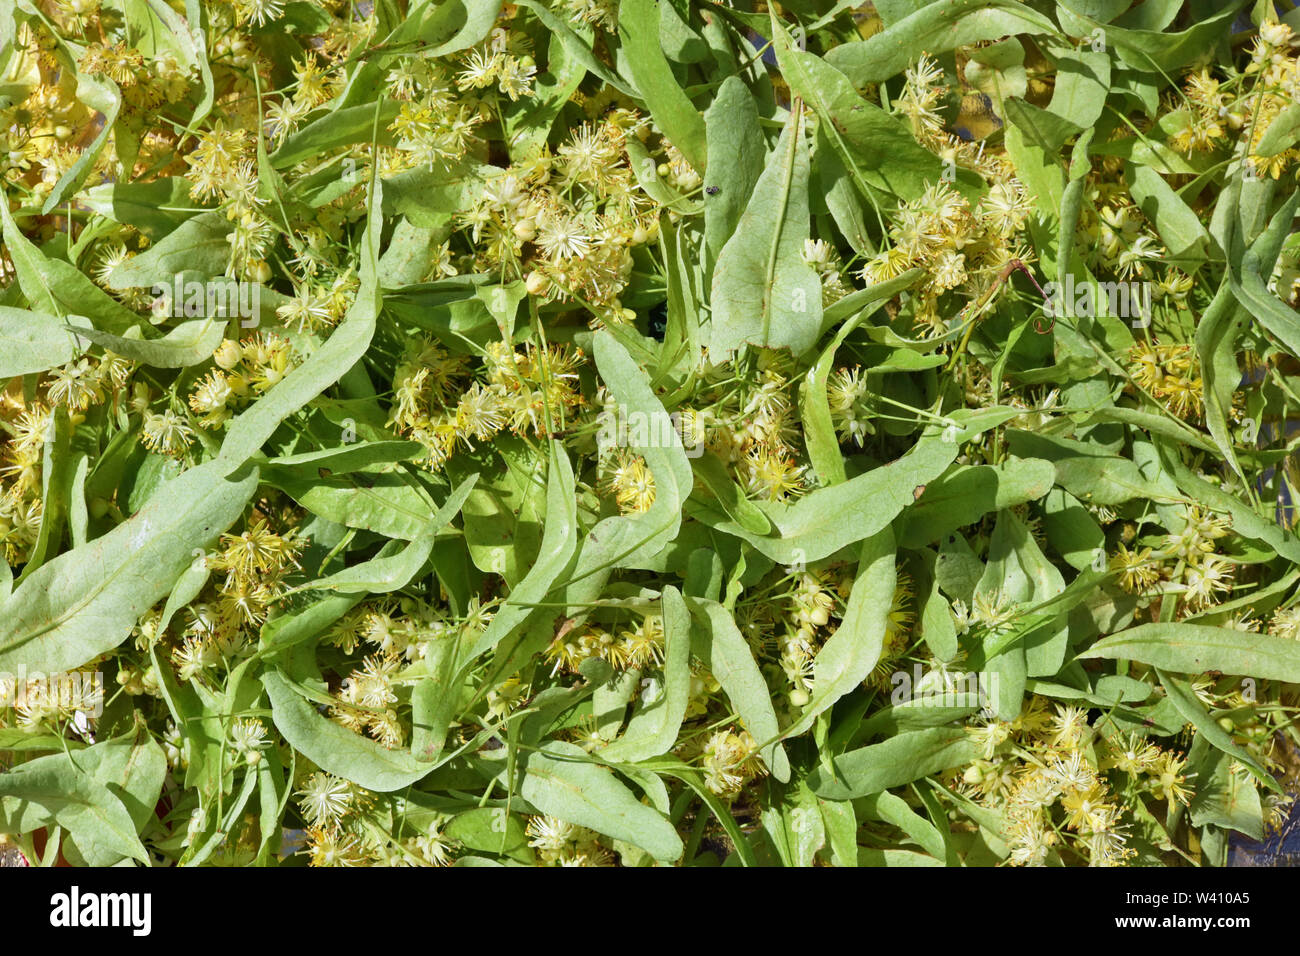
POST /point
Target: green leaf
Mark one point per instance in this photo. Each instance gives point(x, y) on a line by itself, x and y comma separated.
point(827, 519)
point(1018, 570)
point(343, 127)
point(198, 245)
point(1197, 648)
point(51, 791)
point(671, 108)
point(653, 726)
point(1245, 521)
point(736, 156)
point(894, 762)
point(189, 343)
point(935, 28)
point(336, 749)
point(966, 493)
point(560, 780)
point(763, 292)
point(1221, 325)
point(1226, 799)
point(713, 475)
point(624, 540)
point(392, 572)
point(492, 830)
point(1179, 228)
point(1184, 699)
point(1157, 50)
point(33, 342)
point(851, 653)
point(559, 541)
point(344, 458)
point(1082, 82)
point(101, 93)
point(1092, 476)
point(392, 504)
point(1282, 133)
point(246, 434)
point(59, 288)
point(576, 46)
point(86, 601)
point(133, 768)
point(870, 142)
point(503, 514)
point(727, 655)
point(814, 402)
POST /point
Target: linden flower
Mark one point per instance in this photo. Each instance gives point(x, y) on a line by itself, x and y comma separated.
point(1068, 726)
point(1005, 208)
point(168, 433)
point(1106, 844)
point(550, 834)
point(1031, 843)
point(433, 848)
point(324, 799)
point(1086, 809)
point(949, 270)
point(812, 603)
point(1073, 773)
point(771, 475)
point(480, 413)
point(313, 81)
point(1170, 780)
point(328, 846)
point(75, 386)
point(644, 647)
point(1132, 756)
point(257, 551)
point(1208, 581)
point(1286, 622)
point(194, 656)
point(631, 483)
point(306, 311)
point(1203, 91)
point(731, 761)
point(210, 399)
point(922, 91)
point(30, 428)
point(248, 737)
point(282, 118)
point(598, 13)
point(108, 259)
point(888, 264)
point(562, 237)
point(1136, 573)
point(990, 734)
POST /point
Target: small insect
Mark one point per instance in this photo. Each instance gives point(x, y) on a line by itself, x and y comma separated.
point(713, 190)
point(917, 492)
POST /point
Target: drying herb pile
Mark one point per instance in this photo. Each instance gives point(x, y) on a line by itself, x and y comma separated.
point(579, 432)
